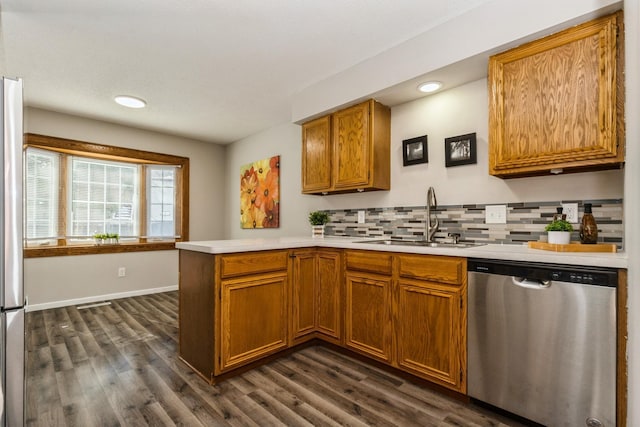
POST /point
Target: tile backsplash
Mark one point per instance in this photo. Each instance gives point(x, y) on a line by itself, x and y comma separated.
point(525, 222)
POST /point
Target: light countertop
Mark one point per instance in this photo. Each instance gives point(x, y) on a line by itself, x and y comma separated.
point(491, 251)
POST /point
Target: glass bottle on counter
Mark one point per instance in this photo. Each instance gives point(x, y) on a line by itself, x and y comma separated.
point(559, 215)
point(588, 227)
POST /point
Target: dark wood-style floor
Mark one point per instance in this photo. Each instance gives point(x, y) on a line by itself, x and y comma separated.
point(117, 365)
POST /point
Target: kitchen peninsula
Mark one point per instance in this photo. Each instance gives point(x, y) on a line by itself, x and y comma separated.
point(244, 300)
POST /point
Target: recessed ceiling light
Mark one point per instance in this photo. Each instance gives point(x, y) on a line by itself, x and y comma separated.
point(429, 87)
point(130, 101)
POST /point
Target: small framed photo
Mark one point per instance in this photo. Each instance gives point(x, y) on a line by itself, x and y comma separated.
point(415, 151)
point(460, 150)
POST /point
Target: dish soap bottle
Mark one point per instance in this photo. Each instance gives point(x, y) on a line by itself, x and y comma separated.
point(588, 227)
point(559, 215)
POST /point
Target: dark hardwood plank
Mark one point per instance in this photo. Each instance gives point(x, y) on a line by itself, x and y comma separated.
point(288, 382)
point(367, 395)
point(117, 365)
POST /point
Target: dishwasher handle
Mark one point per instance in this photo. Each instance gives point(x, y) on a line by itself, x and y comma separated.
point(523, 282)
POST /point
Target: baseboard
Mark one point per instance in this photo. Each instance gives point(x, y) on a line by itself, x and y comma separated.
point(86, 300)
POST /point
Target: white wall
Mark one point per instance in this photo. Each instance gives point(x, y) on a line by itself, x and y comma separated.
point(283, 140)
point(71, 280)
point(55, 281)
point(490, 27)
point(454, 112)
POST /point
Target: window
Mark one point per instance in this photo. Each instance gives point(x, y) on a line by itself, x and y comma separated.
point(41, 195)
point(75, 190)
point(161, 182)
point(104, 198)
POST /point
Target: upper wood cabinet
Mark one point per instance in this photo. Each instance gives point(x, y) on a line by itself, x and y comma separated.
point(317, 153)
point(556, 104)
point(348, 150)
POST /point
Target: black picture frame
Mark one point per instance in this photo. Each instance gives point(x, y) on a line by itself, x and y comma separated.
point(415, 151)
point(460, 150)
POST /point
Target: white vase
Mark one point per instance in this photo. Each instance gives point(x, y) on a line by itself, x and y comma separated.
point(559, 237)
point(317, 231)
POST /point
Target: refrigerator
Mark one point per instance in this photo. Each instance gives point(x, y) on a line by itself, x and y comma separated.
point(12, 301)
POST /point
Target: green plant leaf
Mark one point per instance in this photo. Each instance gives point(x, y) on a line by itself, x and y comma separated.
point(559, 225)
point(318, 218)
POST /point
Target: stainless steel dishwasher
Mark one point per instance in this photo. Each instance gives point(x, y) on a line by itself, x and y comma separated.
point(542, 341)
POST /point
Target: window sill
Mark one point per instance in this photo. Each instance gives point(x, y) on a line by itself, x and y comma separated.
point(51, 251)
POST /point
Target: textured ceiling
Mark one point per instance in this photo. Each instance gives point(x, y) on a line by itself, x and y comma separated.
point(213, 70)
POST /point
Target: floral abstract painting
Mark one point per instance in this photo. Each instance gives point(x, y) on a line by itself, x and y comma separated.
point(260, 194)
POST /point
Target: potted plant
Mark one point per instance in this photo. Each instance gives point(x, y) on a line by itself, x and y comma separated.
point(559, 231)
point(106, 238)
point(318, 219)
point(100, 238)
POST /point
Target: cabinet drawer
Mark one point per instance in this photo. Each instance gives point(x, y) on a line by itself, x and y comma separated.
point(252, 262)
point(437, 268)
point(374, 262)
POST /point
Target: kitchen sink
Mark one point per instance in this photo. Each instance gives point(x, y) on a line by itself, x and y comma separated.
point(421, 243)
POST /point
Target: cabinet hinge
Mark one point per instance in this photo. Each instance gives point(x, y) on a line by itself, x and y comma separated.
point(220, 293)
point(460, 303)
point(460, 375)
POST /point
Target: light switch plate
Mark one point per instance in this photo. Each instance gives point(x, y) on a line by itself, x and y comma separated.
point(571, 209)
point(360, 217)
point(495, 214)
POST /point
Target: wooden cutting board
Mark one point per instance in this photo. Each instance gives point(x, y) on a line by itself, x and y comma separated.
point(574, 247)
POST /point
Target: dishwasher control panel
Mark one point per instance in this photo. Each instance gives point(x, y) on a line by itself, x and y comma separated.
point(540, 271)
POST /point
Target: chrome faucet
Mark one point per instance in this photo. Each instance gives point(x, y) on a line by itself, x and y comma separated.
point(430, 228)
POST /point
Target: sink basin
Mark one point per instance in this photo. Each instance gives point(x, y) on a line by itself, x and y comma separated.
point(421, 243)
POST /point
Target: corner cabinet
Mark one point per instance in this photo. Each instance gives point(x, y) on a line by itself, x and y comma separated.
point(316, 295)
point(347, 151)
point(557, 104)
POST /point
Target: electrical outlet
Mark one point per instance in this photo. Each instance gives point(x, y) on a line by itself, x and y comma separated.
point(571, 209)
point(495, 214)
point(122, 272)
point(360, 217)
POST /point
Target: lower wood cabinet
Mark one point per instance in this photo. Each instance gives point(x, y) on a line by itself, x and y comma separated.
point(316, 295)
point(431, 320)
point(233, 309)
point(253, 321)
point(368, 324)
point(303, 294)
point(329, 297)
point(408, 311)
point(430, 329)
